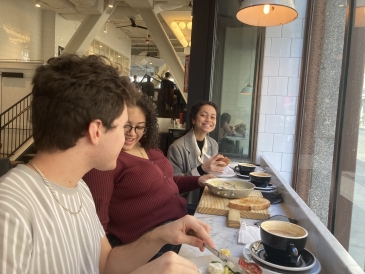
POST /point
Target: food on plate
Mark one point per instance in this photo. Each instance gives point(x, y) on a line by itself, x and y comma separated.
point(249, 203)
point(225, 251)
point(250, 268)
point(215, 268)
point(225, 160)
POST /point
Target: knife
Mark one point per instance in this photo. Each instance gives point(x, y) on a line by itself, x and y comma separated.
point(231, 264)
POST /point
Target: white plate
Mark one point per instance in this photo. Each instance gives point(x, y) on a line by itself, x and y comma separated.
point(203, 262)
point(228, 172)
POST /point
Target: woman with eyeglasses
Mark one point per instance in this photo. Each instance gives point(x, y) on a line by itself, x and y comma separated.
point(142, 191)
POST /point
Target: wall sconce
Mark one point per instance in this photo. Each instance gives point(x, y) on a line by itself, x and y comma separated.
point(179, 35)
point(267, 13)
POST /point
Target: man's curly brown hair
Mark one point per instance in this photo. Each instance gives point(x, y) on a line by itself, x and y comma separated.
point(151, 138)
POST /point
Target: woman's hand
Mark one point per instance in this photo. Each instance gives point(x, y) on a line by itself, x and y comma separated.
point(212, 165)
point(205, 177)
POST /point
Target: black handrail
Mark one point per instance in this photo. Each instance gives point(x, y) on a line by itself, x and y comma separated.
point(15, 126)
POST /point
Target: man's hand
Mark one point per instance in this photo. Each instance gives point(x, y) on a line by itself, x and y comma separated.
point(168, 263)
point(212, 165)
point(187, 230)
point(202, 179)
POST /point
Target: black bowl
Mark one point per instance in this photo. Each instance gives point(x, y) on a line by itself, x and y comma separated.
point(260, 179)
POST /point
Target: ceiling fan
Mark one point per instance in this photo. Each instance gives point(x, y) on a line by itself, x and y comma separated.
point(148, 54)
point(133, 24)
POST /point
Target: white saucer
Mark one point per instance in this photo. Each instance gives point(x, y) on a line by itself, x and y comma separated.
point(224, 175)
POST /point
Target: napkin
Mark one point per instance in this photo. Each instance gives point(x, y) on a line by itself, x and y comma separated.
point(248, 234)
point(226, 172)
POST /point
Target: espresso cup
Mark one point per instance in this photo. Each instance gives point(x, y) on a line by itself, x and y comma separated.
point(283, 241)
point(245, 168)
point(260, 179)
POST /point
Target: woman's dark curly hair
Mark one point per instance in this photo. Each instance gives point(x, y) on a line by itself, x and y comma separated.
point(151, 138)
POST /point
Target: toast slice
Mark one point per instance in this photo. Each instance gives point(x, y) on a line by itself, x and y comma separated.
point(249, 203)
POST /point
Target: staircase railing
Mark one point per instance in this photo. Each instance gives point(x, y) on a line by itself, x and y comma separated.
point(15, 126)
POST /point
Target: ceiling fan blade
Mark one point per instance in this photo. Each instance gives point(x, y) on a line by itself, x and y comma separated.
point(124, 26)
point(140, 27)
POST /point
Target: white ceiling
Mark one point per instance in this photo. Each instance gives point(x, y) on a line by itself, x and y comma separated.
point(167, 12)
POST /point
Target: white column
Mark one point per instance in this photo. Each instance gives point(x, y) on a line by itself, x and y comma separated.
point(87, 31)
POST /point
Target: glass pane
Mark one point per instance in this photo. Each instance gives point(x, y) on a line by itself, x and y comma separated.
point(234, 73)
point(350, 207)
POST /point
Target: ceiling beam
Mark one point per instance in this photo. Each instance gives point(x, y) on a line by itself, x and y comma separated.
point(87, 31)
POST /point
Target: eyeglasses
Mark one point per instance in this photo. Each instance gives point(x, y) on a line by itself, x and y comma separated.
point(137, 130)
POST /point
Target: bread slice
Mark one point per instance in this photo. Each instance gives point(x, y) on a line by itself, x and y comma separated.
point(249, 203)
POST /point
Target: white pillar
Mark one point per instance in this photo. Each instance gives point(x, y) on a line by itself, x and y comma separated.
point(165, 47)
point(87, 31)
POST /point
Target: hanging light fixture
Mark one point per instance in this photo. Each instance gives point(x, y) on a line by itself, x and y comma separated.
point(247, 90)
point(38, 3)
point(267, 13)
point(178, 33)
point(111, 3)
point(105, 29)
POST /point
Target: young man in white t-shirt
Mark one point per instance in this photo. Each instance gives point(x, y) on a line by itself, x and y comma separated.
point(48, 222)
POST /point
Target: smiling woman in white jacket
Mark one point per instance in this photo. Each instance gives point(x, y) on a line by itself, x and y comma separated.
point(186, 153)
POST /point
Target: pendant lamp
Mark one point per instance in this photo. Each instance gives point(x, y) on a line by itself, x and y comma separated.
point(267, 13)
point(247, 90)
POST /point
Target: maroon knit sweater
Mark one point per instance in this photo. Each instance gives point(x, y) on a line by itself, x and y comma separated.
point(138, 194)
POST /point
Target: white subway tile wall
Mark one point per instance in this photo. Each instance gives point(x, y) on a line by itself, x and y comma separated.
point(279, 92)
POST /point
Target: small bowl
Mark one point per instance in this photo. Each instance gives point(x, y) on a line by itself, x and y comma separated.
point(260, 179)
point(229, 188)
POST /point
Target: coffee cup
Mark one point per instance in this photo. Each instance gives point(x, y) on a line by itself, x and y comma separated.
point(283, 241)
point(245, 168)
point(260, 179)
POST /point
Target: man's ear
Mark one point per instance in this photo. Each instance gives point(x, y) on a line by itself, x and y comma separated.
point(95, 130)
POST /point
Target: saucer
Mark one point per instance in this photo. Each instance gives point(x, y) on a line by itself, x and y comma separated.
point(269, 187)
point(243, 176)
point(306, 262)
point(316, 269)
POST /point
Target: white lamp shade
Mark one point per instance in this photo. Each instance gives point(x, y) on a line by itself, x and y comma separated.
point(279, 12)
point(182, 25)
point(179, 35)
point(247, 90)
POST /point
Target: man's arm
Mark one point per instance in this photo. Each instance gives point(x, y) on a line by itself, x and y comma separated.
point(127, 258)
